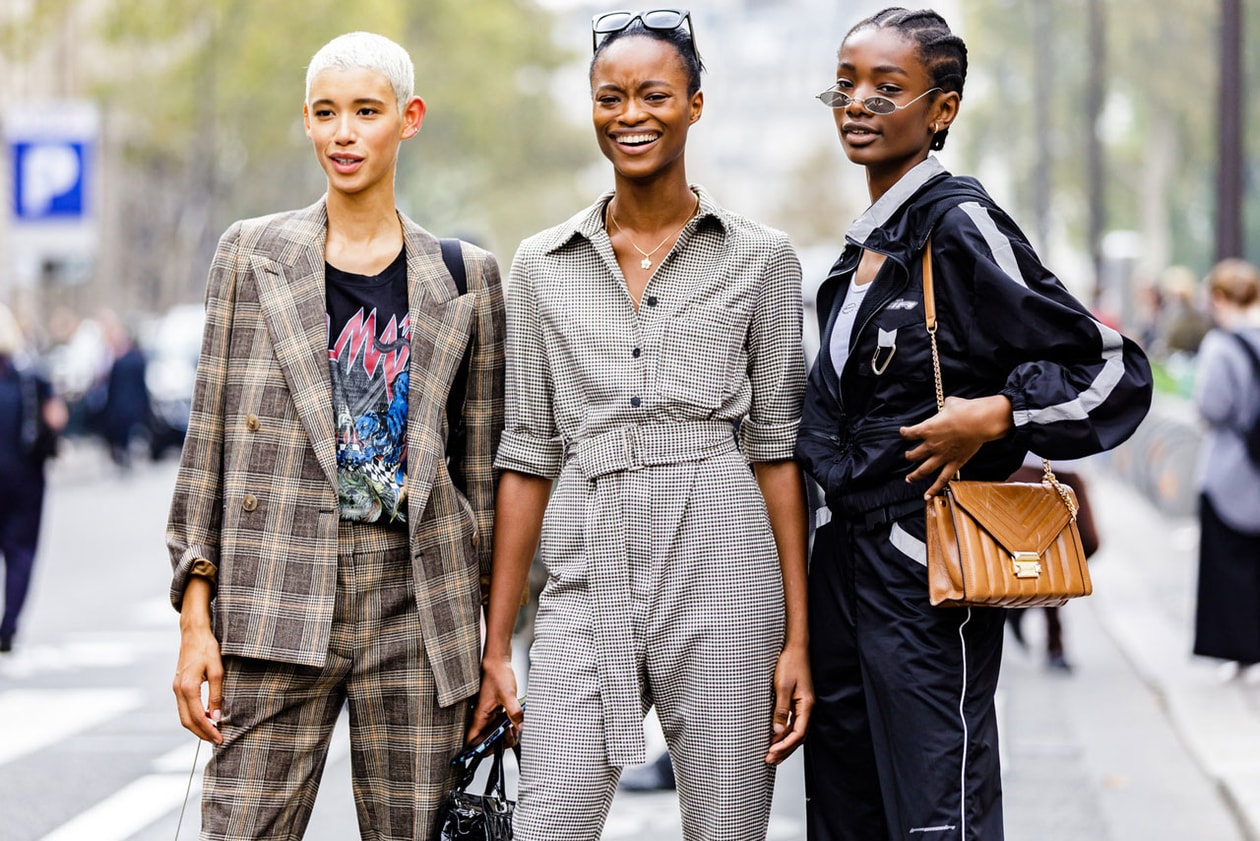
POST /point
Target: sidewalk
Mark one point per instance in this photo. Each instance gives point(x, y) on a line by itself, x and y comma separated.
point(1144, 585)
point(1142, 740)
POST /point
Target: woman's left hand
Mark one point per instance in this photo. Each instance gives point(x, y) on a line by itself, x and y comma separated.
point(949, 439)
point(793, 701)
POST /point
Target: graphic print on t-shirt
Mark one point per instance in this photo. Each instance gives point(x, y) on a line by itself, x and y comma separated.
point(368, 356)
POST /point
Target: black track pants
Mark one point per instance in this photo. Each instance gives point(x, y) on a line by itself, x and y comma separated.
point(903, 742)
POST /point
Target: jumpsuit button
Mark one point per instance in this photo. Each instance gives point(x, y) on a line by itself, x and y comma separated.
point(249, 502)
point(635, 353)
point(251, 423)
point(634, 401)
point(651, 301)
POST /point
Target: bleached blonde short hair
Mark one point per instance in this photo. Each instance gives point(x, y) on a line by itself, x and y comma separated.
point(370, 51)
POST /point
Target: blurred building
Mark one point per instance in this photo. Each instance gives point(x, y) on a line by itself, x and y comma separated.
point(765, 148)
point(48, 64)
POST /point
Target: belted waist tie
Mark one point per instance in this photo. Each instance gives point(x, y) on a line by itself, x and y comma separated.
point(617, 510)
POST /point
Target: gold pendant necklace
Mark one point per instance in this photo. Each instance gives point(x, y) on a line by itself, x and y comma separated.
point(646, 262)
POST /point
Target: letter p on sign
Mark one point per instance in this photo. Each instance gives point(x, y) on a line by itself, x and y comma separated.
point(48, 180)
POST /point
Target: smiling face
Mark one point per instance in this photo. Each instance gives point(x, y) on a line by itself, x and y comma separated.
point(882, 62)
point(355, 124)
point(640, 106)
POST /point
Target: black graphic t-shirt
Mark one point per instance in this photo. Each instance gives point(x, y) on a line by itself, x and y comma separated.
point(369, 335)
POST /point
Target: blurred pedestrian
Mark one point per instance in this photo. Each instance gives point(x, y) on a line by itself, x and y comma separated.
point(1226, 394)
point(1183, 324)
point(641, 332)
point(904, 738)
point(31, 419)
point(315, 502)
point(125, 413)
point(1056, 654)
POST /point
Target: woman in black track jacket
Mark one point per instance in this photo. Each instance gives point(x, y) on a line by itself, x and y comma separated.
point(903, 743)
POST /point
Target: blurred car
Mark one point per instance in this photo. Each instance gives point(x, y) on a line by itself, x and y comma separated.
point(171, 343)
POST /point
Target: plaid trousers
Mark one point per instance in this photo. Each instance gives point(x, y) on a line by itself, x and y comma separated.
point(279, 717)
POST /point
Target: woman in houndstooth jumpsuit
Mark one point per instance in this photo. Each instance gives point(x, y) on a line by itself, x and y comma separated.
point(641, 334)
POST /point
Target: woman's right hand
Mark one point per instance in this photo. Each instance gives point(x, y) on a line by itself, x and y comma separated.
point(947, 440)
point(498, 689)
point(200, 662)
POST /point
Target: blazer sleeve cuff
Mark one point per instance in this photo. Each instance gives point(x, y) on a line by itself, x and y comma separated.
point(194, 561)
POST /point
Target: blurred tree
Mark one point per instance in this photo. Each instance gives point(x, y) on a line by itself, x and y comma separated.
point(819, 211)
point(1158, 122)
point(204, 97)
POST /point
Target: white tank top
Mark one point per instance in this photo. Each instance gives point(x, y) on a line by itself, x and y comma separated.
point(844, 324)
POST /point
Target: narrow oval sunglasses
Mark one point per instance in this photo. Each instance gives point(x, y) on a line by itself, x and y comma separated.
point(833, 98)
point(661, 20)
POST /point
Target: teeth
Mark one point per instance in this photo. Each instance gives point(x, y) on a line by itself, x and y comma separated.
point(636, 139)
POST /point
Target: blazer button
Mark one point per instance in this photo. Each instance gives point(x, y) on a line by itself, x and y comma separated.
point(249, 502)
point(476, 539)
point(251, 423)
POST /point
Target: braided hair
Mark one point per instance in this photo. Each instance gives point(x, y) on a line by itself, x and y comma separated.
point(679, 38)
point(943, 54)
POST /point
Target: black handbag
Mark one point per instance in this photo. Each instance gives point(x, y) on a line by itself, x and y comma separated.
point(465, 816)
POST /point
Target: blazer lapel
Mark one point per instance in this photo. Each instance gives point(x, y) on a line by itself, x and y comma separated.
point(441, 324)
point(294, 306)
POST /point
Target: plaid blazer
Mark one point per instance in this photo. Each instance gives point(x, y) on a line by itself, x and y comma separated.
point(256, 491)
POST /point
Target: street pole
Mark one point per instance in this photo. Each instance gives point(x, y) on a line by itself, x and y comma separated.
point(1043, 33)
point(1229, 178)
point(1095, 96)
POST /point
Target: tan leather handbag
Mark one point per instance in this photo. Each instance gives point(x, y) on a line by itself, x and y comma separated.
point(1000, 544)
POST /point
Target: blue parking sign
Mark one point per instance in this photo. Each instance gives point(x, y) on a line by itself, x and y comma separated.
point(48, 180)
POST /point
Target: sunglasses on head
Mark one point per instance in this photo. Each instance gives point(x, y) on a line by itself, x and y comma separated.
point(660, 20)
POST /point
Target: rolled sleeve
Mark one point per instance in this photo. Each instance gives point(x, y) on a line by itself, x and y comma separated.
point(525, 453)
point(776, 360)
point(194, 562)
point(530, 442)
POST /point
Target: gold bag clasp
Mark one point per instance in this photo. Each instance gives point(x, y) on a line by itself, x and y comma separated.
point(1026, 564)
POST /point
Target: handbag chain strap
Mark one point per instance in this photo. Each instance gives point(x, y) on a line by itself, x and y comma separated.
point(929, 314)
point(1058, 486)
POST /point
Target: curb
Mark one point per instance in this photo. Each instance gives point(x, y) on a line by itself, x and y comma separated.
point(1144, 599)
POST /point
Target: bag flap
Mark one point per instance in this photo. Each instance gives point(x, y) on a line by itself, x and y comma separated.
point(1021, 517)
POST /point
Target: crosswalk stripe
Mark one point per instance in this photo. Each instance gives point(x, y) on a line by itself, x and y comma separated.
point(126, 812)
point(31, 719)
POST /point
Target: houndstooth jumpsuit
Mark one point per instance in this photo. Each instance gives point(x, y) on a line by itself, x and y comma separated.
point(663, 581)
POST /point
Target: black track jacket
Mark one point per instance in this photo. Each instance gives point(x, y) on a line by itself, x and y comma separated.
point(1006, 325)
